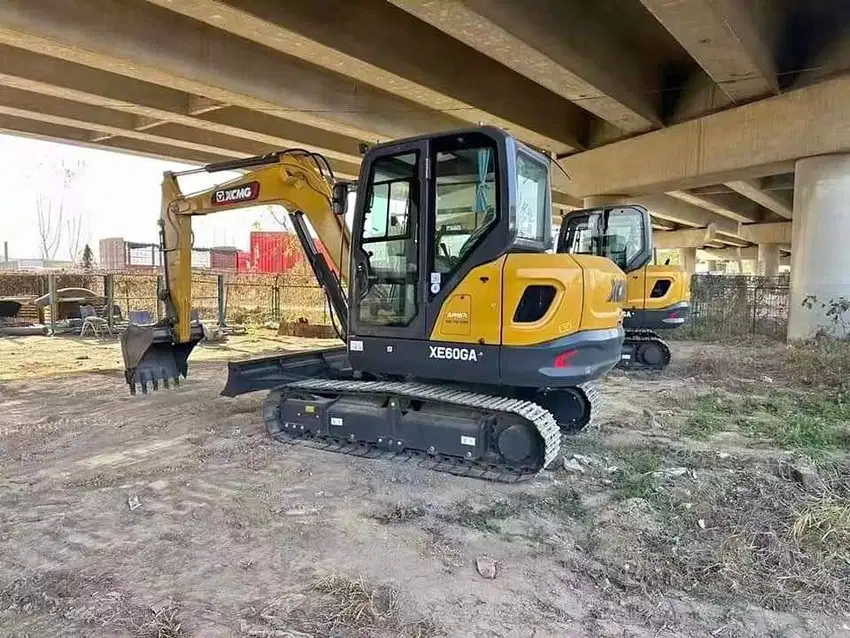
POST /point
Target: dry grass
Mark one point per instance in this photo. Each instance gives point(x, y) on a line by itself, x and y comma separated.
point(760, 541)
point(88, 601)
point(824, 526)
point(335, 605)
point(164, 623)
point(822, 365)
point(355, 607)
point(400, 513)
point(354, 604)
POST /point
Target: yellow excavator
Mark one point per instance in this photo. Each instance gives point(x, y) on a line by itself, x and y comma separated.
point(657, 296)
point(469, 347)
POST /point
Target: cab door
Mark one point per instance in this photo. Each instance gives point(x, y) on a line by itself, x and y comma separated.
point(388, 286)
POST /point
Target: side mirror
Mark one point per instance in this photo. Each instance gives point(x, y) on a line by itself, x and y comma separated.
point(340, 198)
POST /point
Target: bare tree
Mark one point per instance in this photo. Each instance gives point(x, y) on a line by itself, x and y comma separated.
point(79, 233)
point(49, 229)
point(55, 207)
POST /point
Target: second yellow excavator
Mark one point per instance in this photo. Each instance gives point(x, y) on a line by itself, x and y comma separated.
point(467, 346)
point(657, 296)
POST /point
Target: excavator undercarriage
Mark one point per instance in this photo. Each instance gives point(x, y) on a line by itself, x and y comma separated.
point(462, 429)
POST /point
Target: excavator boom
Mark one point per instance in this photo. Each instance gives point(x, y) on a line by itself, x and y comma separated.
point(300, 181)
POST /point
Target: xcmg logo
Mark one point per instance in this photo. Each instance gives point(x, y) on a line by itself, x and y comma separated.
point(235, 194)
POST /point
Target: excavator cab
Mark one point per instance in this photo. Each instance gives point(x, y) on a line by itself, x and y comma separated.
point(657, 296)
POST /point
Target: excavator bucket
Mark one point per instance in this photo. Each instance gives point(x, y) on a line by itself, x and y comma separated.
point(152, 357)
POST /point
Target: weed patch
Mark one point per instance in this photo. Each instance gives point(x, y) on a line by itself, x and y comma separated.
point(635, 476)
point(561, 502)
point(399, 514)
point(811, 423)
point(746, 535)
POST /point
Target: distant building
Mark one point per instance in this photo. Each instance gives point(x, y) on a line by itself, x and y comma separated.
point(118, 254)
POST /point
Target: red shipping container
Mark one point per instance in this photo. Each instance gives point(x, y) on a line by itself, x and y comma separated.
point(243, 261)
point(274, 251)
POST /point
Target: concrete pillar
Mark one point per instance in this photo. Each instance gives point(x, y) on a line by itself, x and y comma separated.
point(820, 261)
point(712, 265)
point(768, 260)
point(688, 259)
point(595, 201)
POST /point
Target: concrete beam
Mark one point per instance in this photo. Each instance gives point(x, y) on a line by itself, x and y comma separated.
point(565, 201)
point(340, 36)
point(695, 238)
point(730, 240)
point(726, 254)
point(771, 233)
point(671, 209)
point(730, 206)
point(754, 140)
point(155, 45)
point(80, 137)
point(783, 182)
point(107, 124)
point(658, 224)
point(780, 202)
point(728, 38)
point(103, 90)
point(557, 44)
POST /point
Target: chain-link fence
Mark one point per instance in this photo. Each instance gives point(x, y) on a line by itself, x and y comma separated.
point(725, 306)
point(245, 298)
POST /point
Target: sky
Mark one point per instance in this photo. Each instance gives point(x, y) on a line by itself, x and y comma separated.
point(117, 195)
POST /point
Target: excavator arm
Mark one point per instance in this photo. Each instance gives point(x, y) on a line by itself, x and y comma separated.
point(300, 181)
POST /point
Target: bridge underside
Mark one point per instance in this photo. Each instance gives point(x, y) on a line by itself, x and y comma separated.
point(698, 109)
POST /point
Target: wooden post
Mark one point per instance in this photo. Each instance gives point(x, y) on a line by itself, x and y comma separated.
point(109, 295)
point(54, 302)
point(222, 301)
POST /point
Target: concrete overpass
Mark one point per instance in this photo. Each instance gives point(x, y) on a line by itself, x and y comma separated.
point(728, 119)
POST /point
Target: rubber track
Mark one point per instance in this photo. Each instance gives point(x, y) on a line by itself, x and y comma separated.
point(643, 335)
point(533, 413)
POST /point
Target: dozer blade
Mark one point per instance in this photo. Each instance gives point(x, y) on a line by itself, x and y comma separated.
point(151, 357)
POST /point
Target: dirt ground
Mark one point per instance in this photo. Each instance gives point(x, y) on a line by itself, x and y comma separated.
point(174, 515)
